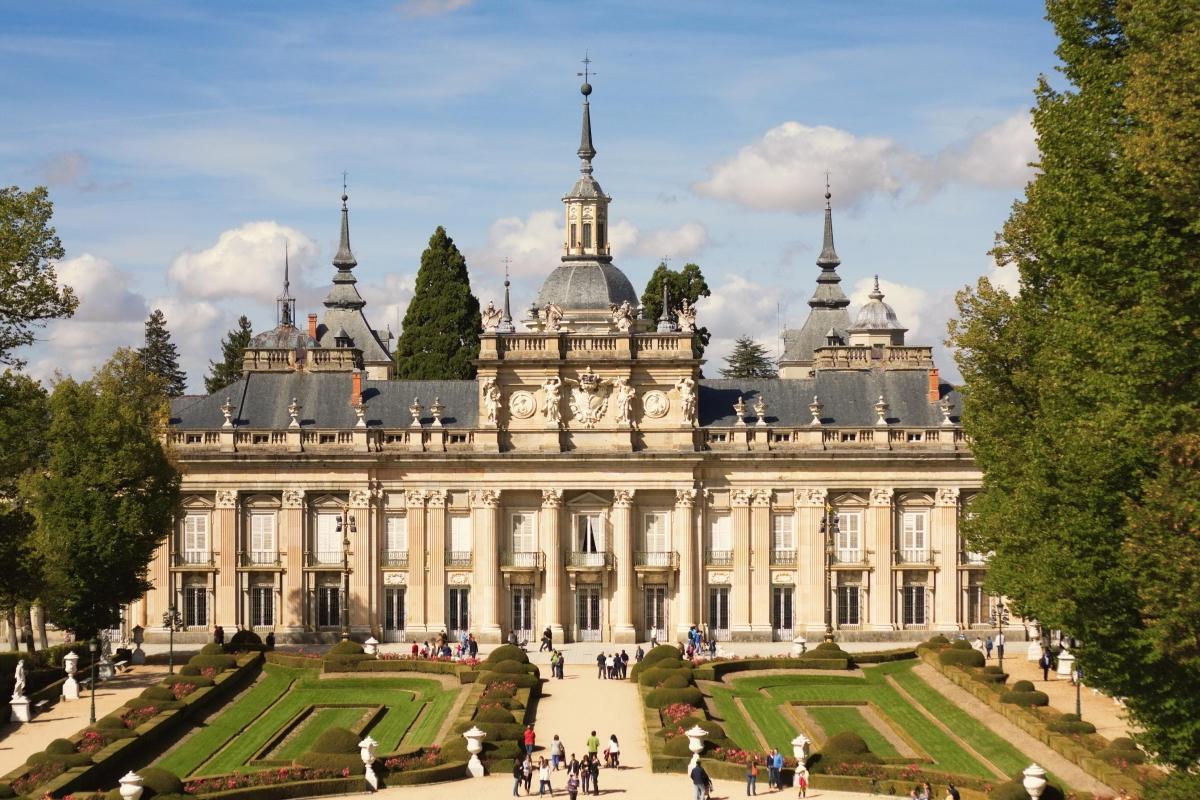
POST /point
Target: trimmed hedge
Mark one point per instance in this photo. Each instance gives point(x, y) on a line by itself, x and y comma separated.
point(409, 665)
point(245, 641)
point(507, 652)
point(660, 698)
point(846, 742)
point(1015, 790)
point(962, 658)
point(937, 640)
point(336, 740)
point(1023, 686)
point(1070, 723)
point(159, 782)
point(521, 681)
point(199, 681)
point(508, 666)
point(219, 663)
point(212, 649)
point(1025, 699)
point(494, 715)
point(346, 647)
point(656, 675)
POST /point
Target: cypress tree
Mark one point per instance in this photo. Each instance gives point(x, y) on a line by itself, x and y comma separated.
point(440, 337)
point(161, 356)
point(749, 359)
point(688, 282)
point(229, 369)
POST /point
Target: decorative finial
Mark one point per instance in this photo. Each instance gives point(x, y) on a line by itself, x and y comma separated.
point(828, 195)
point(437, 409)
point(586, 151)
point(828, 260)
point(665, 324)
point(360, 411)
point(345, 196)
point(344, 259)
point(586, 89)
point(947, 407)
point(881, 410)
point(294, 412)
point(875, 293)
point(285, 301)
point(815, 409)
point(227, 412)
point(760, 410)
point(415, 409)
point(739, 408)
point(506, 320)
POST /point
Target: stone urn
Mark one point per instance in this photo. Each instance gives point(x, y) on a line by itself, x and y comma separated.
point(131, 786)
point(799, 646)
point(367, 749)
point(696, 736)
point(371, 646)
point(475, 739)
point(70, 689)
point(139, 655)
point(1035, 781)
point(800, 747)
point(1066, 664)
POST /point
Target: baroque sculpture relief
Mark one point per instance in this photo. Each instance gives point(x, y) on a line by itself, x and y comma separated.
point(589, 398)
point(622, 315)
point(687, 317)
point(554, 316)
point(522, 405)
point(490, 317)
point(360, 498)
point(226, 498)
point(656, 404)
point(293, 498)
point(686, 387)
point(623, 395)
point(552, 392)
point(491, 400)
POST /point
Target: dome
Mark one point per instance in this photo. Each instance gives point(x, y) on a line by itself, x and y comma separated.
point(282, 337)
point(876, 315)
point(586, 285)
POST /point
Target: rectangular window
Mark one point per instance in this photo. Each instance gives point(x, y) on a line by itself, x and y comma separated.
point(656, 613)
point(718, 612)
point(195, 606)
point(781, 612)
point(262, 538)
point(393, 613)
point(848, 547)
point(262, 606)
point(195, 539)
point(914, 605)
point(913, 544)
point(587, 234)
point(522, 612)
point(589, 533)
point(458, 610)
point(783, 539)
point(848, 602)
point(328, 548)
point(720, 540)
point(587, 613)
point(600, 235)
point(524, 532)
point(329, 606)
point(656, 535)
point(460, 534)
point(395, 540)
point(574, 239)
point(978, 607)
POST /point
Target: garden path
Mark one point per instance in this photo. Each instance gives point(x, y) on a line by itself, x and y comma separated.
point(1035, 749)
point(19, 741)
point(1099, 709)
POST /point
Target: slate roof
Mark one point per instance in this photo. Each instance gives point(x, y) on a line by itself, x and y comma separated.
point(588, 283)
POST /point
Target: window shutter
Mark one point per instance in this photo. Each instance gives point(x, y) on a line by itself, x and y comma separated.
point(460, 534)
point(262, 533)
point(523, 536)
point(397, 533)
point(782, 532)
point(719, 536)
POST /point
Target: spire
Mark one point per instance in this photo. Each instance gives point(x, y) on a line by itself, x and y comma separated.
point(876, 294)
point(665, 325)
point(343, 294)
point(344, 260)
point(285, 302)
point(829, 257)
point(586, 151)
point(506, 321)
point(828, 293)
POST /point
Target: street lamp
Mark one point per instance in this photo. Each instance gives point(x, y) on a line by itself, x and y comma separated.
point(830, 527)
point(93, 648)
point(172, 621)
point(1078, 683)
point(999, 618)
point(346, 526)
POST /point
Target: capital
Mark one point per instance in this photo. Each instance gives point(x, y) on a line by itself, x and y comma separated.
point(414, 498)
point(227, 498)
point(810, 497)
point(293, 498)
point(486, 498)
point(881, 497)
point(623, 498)
point(552, 498)
point(739, 498)
point(685, 498)
point(762, 498)
point(360, 498)
point(947, 497)
point(436, 498)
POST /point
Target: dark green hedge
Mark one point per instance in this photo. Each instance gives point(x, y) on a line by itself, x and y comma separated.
point(195, 680)
point(336, 740)
point(660, 698)
point(350, 761)
point(656, 675)
point(1070, 723)
point(883, 657)
point(159, 782)
point(494, 715)
point(522, 681)
point(245, 641)
point(212, 649)
point(346, 647)
point(218, 662)
point(409, 665)
point(507, 652)
point(962, 658)
point(1025, 699)
point(1023, 686)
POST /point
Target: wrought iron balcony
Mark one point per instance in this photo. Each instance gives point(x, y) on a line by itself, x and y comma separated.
point(656, 559)
point(325, 558)
point(850, 556)
point(718, 558)
point(459, 558)
point(580, 560)
point(783, 558)
point(914, 555)
point(260, 558)
point(193, 558)
point(395, 558)
point(534, 560)
point(968, 559)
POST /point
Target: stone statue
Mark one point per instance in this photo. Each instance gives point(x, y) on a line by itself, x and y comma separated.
point(588, 398)
point(622, 315)
point(552, 388)
point(623, 395)
point(687, 317)
point(491, 400)
point(687, 397)
point(491, 317)
point(19, 681)
point(554, 316)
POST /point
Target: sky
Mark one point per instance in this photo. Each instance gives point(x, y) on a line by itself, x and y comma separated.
point(185, 143)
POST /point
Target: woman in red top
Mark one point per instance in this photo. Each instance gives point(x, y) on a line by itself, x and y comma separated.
point(530, 739)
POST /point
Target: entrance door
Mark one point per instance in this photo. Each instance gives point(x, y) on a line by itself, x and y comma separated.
point(458, 620)
point(781, 613)
point(718, 613)
point(656, 613)
point(393, 614)
point(522, 613)
point(848, 605)
point(329, 606)
point(914, 605)
point(587, 613)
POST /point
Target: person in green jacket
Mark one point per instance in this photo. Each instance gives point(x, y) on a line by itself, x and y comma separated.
point(593, 744)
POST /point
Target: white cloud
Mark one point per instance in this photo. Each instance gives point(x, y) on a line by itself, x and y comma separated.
point(103, 290)
point(246, 261)
point(431, 8)
point(387, 303)
point(912, 305)
point(1006, 277)
point(679, 243)
point(740, 307)
point(996, 158)
point(64, 169)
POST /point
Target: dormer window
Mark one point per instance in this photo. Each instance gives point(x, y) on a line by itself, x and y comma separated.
point(342, 341)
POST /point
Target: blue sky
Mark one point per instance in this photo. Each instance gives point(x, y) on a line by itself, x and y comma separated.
point(183, 143)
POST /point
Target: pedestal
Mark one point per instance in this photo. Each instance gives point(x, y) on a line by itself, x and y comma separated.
point(104, 670)
point(70, 689)
point(20, 709)
point(139, 656)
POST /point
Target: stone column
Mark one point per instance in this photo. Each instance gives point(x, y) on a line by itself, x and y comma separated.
point(550, 538)
point(624, 631)
point(225, 550)
point(760, 564)
point(363, 549)
point(414, 596)
point(810, 562)
point(293, 547)
point(944, 538)
point(435, 590)
point(485, 509)
point(739, 593)
point(881, 539)
point(684, 538)
point(161, 597)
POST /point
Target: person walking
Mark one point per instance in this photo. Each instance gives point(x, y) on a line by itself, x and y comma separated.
point(700, 781)
point(987, 646)
point(593, 745)
point(1000, 644)
point(585, 773)
point(624, 664)
point(595, 770)
point(752, 776)
point(952, 793)
point(573, 766)
point(614, 752)
point(1044, 663)
point(802, 780)
point(572, 786)
point(555, 751)
point(639, 654)
point(518, 774)
point(601, 665)
point(527, 772)
point(544, 778)
point(530, 739)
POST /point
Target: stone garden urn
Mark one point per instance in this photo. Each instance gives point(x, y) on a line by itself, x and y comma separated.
point(371, 646)
point(799, 646)
point(70, 690)
point(1066, 664)
point(367, 748)
point(800, 747)
point(696, 736)
point(475, 739)
point(1035, 781)
point(131, 786)
point(139, 655)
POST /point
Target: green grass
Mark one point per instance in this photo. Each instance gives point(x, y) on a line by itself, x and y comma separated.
point(835, 719)
point(317, 723)
point(244, 727)
point(732, 719)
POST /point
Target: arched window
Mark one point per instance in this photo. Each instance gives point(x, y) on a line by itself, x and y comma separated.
point(587, 234)
point(573, 245)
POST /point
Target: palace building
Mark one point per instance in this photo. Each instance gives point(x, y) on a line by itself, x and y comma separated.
point(589, 480)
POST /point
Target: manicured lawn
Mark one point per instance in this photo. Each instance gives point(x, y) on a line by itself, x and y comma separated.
point(244, 727)
point(835, 719)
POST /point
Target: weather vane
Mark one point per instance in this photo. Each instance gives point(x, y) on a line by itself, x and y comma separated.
point(506, 261)
point(344, 175)
point(587, 62)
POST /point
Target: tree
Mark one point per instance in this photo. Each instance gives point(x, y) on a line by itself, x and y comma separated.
point(229, 370)
point(161, 356)
point(29, 290)
point(108, 494)
point(749, 359)
point(688, 282)
point(1079, 389)
point(440, 337)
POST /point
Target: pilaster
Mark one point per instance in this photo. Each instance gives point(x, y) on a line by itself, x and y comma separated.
point(363, 604)
point(624, 631)
point(810, 569)
point(944, 538)
point(225, 553)
point(550, 537)
point(879, 533)
point(414, 597)
point(435, 590)
point(760, 566)
point(293, 547)
point(684, 537)
point(739, 600)
point(485, 511)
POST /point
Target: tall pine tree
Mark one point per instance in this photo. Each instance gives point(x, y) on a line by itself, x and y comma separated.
point(749, 359)
point(228, 370)
point(161, 356)
point(441, 330)
point(1082, 391)
point(688, 282)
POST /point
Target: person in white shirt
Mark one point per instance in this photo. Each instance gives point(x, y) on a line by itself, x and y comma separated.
point(544, 778)
point(614, 751)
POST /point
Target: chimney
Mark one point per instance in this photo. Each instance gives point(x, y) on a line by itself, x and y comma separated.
point(934, 392)
point(356, 388)
point(312, 325)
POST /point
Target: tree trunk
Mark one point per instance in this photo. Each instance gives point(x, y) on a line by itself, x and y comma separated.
point(10, 619)
point(43, 639)
point(27, 629)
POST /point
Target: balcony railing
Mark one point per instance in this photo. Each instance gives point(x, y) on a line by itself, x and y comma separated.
point(849, 556)
point(914, 555)
point(973, 559)
point(325, 558)
point(459, 558)
point(535, 560)
point(395, 558)
point(193, 558)
point(579, 559)
point(783, 558)
point(260, 558)
point(667, 559)
point(718, 558)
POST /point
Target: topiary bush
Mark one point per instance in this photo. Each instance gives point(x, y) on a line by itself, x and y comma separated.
point(336, 740)
point(59, 751)
point(656, 675)
point(1122, 750)
point(219, 663)
point(60, 747)
point(846, 747)
point(659, 653)
point(509, 667)
point(159, 782)
point(678, 746)
point(335, 748)
point(494, 715)
point(195, 680)
point(507, 652)
point(346, 647)
point(245, 641)
point(188, 669)
point(1070, 723)
point(961, 658)
point(674, 682)
point(158, 693)
point(212, 649)
point(845, 742)
point(659, 698)
point(521, 681)
point(961, 644)
point(937, 640)
point(1023, 686)
point(671, 663)
point(1025, 699)
point(6, 790)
